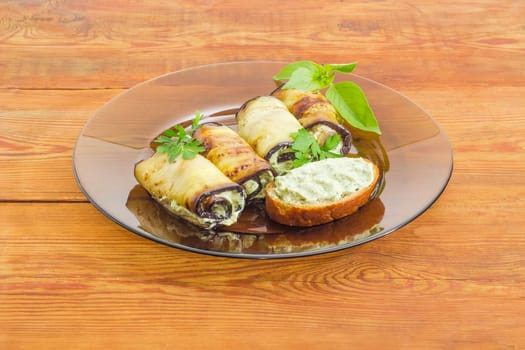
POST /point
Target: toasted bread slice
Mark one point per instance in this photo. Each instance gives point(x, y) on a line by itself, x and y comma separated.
point(321, 192)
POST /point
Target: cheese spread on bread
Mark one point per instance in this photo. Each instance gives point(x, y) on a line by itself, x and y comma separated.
point(324, 181)
point(321, 191)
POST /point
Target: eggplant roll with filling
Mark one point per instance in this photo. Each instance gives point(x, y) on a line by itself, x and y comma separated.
point(316, 114)
point(266, 124)
point(193, 189)
point(235, 158)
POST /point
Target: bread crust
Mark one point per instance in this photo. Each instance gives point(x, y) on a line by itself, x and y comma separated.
point(310, 215)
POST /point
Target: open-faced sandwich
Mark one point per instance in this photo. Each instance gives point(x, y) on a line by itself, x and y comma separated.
point(322, 191)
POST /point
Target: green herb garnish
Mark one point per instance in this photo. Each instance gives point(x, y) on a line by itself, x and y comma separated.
point(307, 149)
point(347, 97)
point(176, 141)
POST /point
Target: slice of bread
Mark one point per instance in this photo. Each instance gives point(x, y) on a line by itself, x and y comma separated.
point(321, 192)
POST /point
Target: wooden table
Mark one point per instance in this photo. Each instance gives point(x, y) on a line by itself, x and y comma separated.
point(72, 279)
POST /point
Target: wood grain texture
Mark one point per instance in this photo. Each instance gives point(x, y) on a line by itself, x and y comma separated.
point(106, 45)
point(109, 277)
point(40, 129)
point(72, 279)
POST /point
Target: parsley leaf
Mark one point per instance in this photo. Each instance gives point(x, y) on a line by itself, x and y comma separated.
point(176, 141)
point(331, 142)
point(307, 149)
point(302, 140)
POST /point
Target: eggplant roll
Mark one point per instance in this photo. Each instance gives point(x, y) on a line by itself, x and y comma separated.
point(235, 158)
point(316, 114)
point(266, 124)
point(194, 189)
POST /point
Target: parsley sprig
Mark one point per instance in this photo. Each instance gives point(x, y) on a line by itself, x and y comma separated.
point(307, 149)
point(176, 141)
point(347, 97)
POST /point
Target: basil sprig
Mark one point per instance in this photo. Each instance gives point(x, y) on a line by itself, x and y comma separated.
point(346, 97)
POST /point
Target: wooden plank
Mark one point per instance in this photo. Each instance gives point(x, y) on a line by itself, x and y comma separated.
point(40, 128)
point(433, 237)
point(425, 42)
point(39, 131)
point(71, 283)
point(71, 278)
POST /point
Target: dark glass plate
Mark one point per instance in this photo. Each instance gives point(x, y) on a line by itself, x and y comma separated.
point(413, 153)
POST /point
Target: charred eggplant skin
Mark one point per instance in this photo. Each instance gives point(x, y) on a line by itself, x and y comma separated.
point(206, 205)
point(306, 104)
point(230, 152)
point(315, 112)
point(235, 158)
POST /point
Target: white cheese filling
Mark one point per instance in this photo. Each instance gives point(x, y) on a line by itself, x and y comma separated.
point(250, 186)
point(234, 197)
point(327, 180)
point(281, 167)
point(321, 132)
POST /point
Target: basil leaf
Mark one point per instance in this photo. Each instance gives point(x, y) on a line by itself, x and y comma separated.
point(350, 101)
point(287, 71)
point(305, 79)
point(343, 68)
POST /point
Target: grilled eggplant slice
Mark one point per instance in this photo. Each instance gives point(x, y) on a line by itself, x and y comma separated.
point(194, 189)
point(316, 114)
point(266, 124)
point(235, 158)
